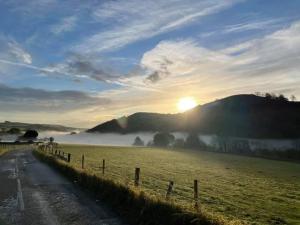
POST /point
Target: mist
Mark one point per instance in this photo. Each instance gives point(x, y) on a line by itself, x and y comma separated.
point(102, 139)
point(114, 139)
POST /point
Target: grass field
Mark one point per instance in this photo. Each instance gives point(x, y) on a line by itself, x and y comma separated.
point(253, 190)
point(3, 150)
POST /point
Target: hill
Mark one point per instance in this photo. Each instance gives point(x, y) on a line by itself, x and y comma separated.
point(39, 127)
point(240, 116)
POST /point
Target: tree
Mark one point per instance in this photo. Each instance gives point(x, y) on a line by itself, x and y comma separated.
point(179, 143)
point(282, 98)
point(14, 130)
point(268, 96)
point(293, 98)
point(31, 134)
point(163, 139)
point(51, 139)
point(221, 143)
point(193, 141)
point(150, 143)
point(138, 141)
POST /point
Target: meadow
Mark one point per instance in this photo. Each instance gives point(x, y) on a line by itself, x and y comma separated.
point(251, 190)
point(4, 149)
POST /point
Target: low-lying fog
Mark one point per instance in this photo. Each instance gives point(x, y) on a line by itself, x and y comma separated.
point(101, 139)
point(128, 139)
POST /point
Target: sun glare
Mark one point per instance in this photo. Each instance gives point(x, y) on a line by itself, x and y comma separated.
point(186, 103)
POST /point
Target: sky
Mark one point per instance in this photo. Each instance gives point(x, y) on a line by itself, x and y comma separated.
point(80, 63)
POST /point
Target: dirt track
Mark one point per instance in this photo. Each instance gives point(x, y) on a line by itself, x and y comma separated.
point(31, 193)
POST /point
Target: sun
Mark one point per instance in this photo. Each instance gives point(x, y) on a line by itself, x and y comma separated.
point(186, 103)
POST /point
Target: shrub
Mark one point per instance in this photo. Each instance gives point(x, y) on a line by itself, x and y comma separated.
point(193, 141)
point(31, 134)
point(163, 139)
point(138, 141)
point(179, 143)
point(14, 130)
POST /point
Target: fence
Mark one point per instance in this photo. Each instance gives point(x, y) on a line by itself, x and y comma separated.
point(131, 177)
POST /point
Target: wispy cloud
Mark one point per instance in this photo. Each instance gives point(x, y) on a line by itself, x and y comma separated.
point(29, 99)
point(254, 25)
point(267, 62)
point(135, 21)
point(12, 50)
point(31, 8)
point(66, 24)
point(19, 53)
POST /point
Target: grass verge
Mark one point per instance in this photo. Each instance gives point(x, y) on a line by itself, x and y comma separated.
point(134, 206)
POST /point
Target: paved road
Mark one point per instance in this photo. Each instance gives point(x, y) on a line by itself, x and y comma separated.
point(31, 193)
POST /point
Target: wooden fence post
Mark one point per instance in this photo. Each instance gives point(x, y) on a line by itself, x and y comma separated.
point(137, 177)
point(196, 194)
point(82, 162)
point(69, 157)
point(170, 189)
point(103, 166)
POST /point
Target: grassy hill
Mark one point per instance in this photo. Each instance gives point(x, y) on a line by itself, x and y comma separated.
point(39, 127)
point(240, 115)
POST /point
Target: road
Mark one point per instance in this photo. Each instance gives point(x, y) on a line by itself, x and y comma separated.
point(32, 193)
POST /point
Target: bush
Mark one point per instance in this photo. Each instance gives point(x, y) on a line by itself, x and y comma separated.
point(179, 143)
point(138, 141)
point(14, 130)
point(193, 141)
point(163, 139)
point(31, 134)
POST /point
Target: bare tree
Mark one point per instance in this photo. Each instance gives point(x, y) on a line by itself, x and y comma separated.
point(293, 98)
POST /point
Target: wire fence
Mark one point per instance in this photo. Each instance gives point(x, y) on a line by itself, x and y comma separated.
point(151, 182)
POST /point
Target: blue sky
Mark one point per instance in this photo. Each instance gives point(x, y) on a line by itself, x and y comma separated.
point(83, 62)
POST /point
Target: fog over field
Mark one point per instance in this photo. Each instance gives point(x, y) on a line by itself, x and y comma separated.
point(114, 139)
point(101, 139)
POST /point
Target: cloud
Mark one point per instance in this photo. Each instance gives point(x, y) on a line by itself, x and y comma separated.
point(12, 50)
point(66, 24)
point(135, 21)
point(263, 64)
point(29, 99)
point(253, 25)
point(31, 7)
point(19, 53)
point(180, 58)
point(159, 72)
point(80, 66)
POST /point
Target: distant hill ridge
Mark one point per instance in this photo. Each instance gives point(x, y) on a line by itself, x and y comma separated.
point(38, 127)
point(239, 115)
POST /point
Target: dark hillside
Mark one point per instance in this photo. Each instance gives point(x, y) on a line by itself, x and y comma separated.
point(240, 115)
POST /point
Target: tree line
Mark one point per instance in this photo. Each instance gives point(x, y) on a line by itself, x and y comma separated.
point(276, 97)
point(220, 144)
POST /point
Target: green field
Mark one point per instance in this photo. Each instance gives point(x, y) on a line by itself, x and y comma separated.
point(3, 150)
point(253, 190)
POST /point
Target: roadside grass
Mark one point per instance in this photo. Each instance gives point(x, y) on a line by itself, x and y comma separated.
point(10, 147)
point(3, 150)
point(252, 190)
